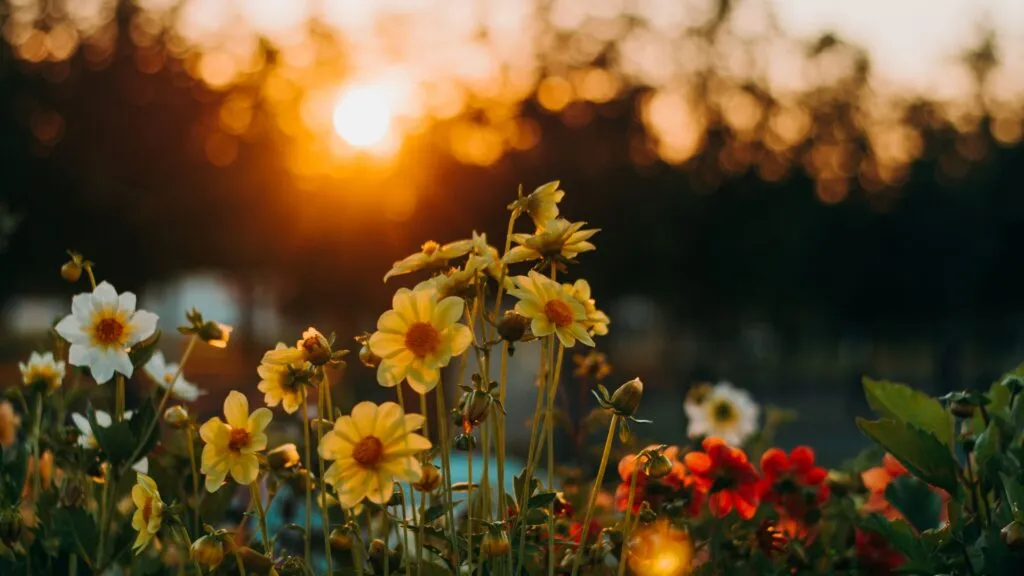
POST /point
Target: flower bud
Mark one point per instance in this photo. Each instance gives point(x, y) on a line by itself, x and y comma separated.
point(1013, 534)
point(73, 491)
point(10, 526)
point(626, 399)
point(494, 544)
point(512, 326)
point(430, 479)
point(215, 334)
point(962, 409)
point(465, 442)
point(71, 271)
point(367, 357)
point(208, 551)
point(316, 347)
point(291, 566)
point(255, 562)
point(658, 466)
point(342, 539)
point(177, 417)
point(475, 408)
point(284, 457)
point(378, 549)
point(646, 515)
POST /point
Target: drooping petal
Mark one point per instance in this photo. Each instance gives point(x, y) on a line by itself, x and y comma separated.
point(102, 365)
point(82, 423)
point(236, 409)
point(122, 362)
point(244, 468)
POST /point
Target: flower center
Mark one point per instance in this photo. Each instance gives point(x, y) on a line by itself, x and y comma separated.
point(422, 339)
point(723, 412)
point(429, 247)
point(239, 439)
point(108, 331)
point(558, 312)
point(368, 451)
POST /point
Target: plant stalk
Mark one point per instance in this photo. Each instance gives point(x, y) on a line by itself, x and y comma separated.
point(593, 493)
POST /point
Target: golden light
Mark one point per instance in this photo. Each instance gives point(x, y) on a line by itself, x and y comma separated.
point(661, 549)
point(364, 116)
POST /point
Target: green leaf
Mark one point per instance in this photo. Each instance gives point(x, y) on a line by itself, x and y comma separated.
point(437, 511)
point(542, 499)
point(902, 403)
point(898, 533)
point(1014, 495)
point(922, 453)
point(140, 423)
point(918, 503)
point(987, 447)
point(519, 486)
point(116, 440)
point(75, 528)
point(143, 351)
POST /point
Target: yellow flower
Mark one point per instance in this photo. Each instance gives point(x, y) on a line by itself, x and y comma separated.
point(232, 447)
point(312, 347)
point(42, 368)
point(556, 239)
point(551, 309)
point(541, 204)
point(372, 449)
point(431, 255)
point(418, 337)
point(149, 511)
point(283, 383)
point(597, 321)
point(486, 257)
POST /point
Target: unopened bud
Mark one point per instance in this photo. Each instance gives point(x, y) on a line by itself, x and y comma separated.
point(284, 457)
point(71, 271)
point(512, 326)
point(177, 417)
point(494, 544)
point(215, 334)
point(626, 399)
point(255, 562)
point(10, 526)
point(1013, 534)
point(291, 566)
point(367, 357)
point(208, 551)
point(962, 409)
point(316, 347)
point(658, 466)
point(430, 479)
point(342, 539)
point(475, 408)
point(465, 442)
point(378, 549)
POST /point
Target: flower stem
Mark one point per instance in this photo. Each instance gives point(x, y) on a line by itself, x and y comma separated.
point(530, 458)
point(37, 477)
point(500, 435)
point(255, 488)
point(238, 561)
point(593, 493)
point(423, 496)
point(183, 532)
point(307, 462)
point(549, 428)
point(190, 442)
point(167, 394)
point(119, 398)
point(92, 279)
point(627, 528)
point(360, 547)
point(408, 486)
point(446, 464)
point(324, 397)
point(469, 507)
point(504, 267)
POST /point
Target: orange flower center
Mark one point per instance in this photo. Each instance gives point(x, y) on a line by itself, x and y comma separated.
point(368, 452)
point(422, 338)
point(109, 331)
point(429, 247)
point(239, 439)
point(558, 312)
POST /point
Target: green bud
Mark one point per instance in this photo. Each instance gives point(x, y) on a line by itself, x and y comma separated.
point(626, 399)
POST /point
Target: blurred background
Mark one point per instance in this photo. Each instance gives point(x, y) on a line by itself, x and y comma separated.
point(792, 193)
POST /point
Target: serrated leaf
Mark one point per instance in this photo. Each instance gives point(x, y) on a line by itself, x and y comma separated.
point(918, 503)
point(519, 487)
point(902, 403)
point(921, 453)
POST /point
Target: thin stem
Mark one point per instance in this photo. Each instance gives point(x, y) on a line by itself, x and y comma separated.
point(549, 428)
point(307, 462)
point(190, 442)
point(92, 279)
point(446, 463)
point(530, 460)
point(73, 564)
point(593, 493)
point(241, 565)
point(37, 477)
point(167, 394)
point(385, 528)
point(502, 505)
point(119, 398)
point(504, 267)
point(255, 488)
point(408, 486)
point(359, 548)
point(419, 524)
point(405, 529)
point(183, 532)
point(629, 512)
point(469, 507)
point(324, 397)
point(105, 506)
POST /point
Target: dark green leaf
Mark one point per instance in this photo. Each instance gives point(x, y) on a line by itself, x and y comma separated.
point(902, 403)
point(75, 528)
point(437, 511)
point(918, 503)
point(987, 446)
point(143, 351)
point(1015, 496)
point(898, 533)
point(542, 499)
point(116, 440)
point(923, 454)
point(519, 486)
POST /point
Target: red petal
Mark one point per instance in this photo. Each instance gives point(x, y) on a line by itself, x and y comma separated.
point(815, 476)
point(774, 463)
point(626, 466)
point(720, 503)
point(892, 465)
point(698, 463)
point(745, 508)
point(802, 458)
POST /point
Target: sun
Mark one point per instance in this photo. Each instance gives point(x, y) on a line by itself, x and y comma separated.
point(363, 116)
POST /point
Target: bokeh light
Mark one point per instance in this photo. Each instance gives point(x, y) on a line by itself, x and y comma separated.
point(363, 116)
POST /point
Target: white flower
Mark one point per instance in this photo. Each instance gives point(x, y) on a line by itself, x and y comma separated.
point(101, 328)
point(87, 439)
point(163, 373)
point(724, 411)
point(42, 368)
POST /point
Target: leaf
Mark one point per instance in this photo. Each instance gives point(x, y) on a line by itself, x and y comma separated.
point(922, 454)
point(918, 503)
point(75, 528)
point(902, 403)
point(542, 499)
point(519, 486)
point(437, 511)
point(143, 351)
point(1014, 495)
point(116, 440)
point(897, 533)
point(140, 423)
point(987, 447)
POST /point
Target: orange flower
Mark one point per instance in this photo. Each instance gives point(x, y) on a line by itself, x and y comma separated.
point(678, 479)
point(793, 483)
point(726, 476)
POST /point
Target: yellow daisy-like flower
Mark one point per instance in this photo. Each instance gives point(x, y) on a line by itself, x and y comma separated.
point(149, 511)
point(231, 448)
point(597, 321)
point(557, 238)
point(431, 255)
point(418, 337)
point(312, 347)
point(42, 368)
point(541, 204)
point(282, 383)
point(551, 309)
point(372, 449)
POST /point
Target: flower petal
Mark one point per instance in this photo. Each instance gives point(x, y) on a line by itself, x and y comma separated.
point(422, 378)
point(447, 312)
point(104, 296)
point(126, 302)
point(143, 325)
point(244, 468)
point(364, 418)
point(461, 337)
point(390, 374)
point(70, 329)
point(236, 409)
point(386, 344)
point(215, 432)
point(258, 420)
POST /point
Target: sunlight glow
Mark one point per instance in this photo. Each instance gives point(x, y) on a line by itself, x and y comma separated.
point(363, 116)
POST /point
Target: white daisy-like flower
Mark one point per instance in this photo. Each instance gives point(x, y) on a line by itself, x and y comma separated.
point(87, 439)
point(723, 411)
point(42, 368)
point(101, 328)
point(163, 372)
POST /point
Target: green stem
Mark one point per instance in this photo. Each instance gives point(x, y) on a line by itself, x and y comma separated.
point(92, 279)
point(420, 523)
point(627, 528)
point(307, 463)
point(105, 506)
point(73, 564)
point(593, 493)
point(530, 459)
point(360, 547)
point(37, 477)
point(167, 394)
point(446, 463)
point(469, 507)
point(119, 398)
point(241, 565)
point(549, 429)
point(255, 489)
point(504, 267)
point(324, 398)
point(188, 546)
point(190, 442)
point(408, 488)
point(385, 528)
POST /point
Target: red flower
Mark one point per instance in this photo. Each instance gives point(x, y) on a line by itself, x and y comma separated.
point(726, 476)
point(793, 483)
point(875, 555)
point(576, 531)
point(678, 480)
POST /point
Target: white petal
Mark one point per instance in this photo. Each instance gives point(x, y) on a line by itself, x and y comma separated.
point(103, 418)
point(143, 325)
point(70, 329)
point(79, 355)
point(126, 302)
point(123, 363)
point(102, 364)
point(82, 423)
point(142, 466)
point(104, 296)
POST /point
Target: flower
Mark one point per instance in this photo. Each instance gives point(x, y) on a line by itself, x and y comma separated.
point(431, 255)
point(372, 449)
point(101, 327)
point(877, 480)
point(87, 439)
point(9, 424)
point(312, 347)
point(42, 368)
point(557, 238)
point(677, 482)
point(231, 447)
point(724, 411)
point(149, 511)
point(541, 204)
point(726, 476)
point(216, 334)
point(660, 549)
point(596, 321)
point(208, 551)
point(793, 483)
point(483, 256)
point(551, 309)
point(283, 383)
point(163, 374)
point(418, 337)
point(594, 364)
point(874, 553)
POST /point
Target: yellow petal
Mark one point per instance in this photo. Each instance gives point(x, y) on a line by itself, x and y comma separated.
point(236, 409)
point(392, 322)
point(244, 468)
point(364, 417)
point(258, 420)
point(403, 304)
point(461, 338)
point(422, 378)
point(541, 326)
point(215, 432)
point(390, 374)
point(390, 422)
point(410, 445)
point(387, 344)
point(447, 312)
point(424, 301)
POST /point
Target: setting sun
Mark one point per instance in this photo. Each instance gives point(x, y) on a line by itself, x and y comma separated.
point(363, 116)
